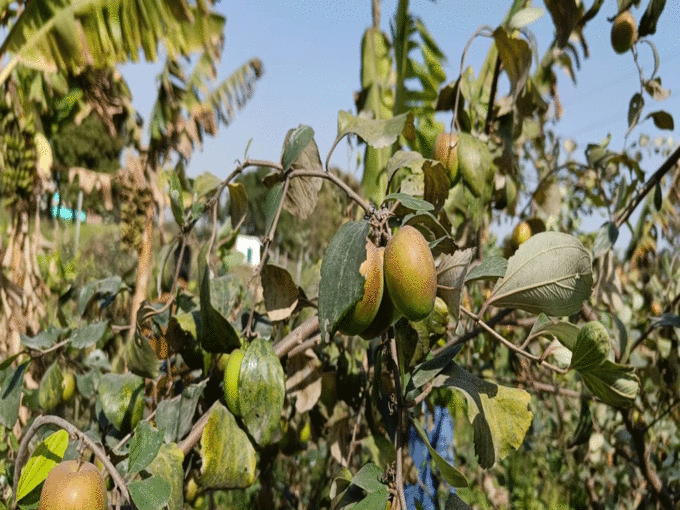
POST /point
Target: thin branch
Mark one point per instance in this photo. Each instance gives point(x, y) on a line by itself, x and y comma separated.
point(297, 336)
point(401, 410)
point(492, 95)
point(655, 179)
point(335, 180)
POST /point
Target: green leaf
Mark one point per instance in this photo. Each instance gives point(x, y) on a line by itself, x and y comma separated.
point(262, 390)
point(368, 478)
point(491, 268)
point(451, 274)
point(376, 133)
point(150, 494)
point(662, 120)
point(605, 239)
point(229, 459)
point(176, 199)
point(205, 184)
point(144, 447)
point(500, 416)
point(216, 333)
point(238, 203)
point(404, 159)
point(634, 111)
point(43, 340)
point(279, 291)
point(103, 289)
point(295, 143)
point(88, 335)
point(141, 358)
point(342, 286)
point(373, 501)
point(453, 502)
point(121, 397)
point(168, 466)
point(49, 393)
point(10, 393)
point(410, 202)
point(271, 205)
point(564, 331)
point(175, 417)
point(550, 273)
point(47, 455)
point(525, 17)
point(616, 385)
point(591, 347)
point(452, 476)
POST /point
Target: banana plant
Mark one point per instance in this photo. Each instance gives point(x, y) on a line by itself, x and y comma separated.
point(387, 65)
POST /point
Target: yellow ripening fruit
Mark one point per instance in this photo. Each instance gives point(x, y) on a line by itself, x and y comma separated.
point(68, 387)
point(446, 151)
point(624, 32)
point(521, 233)
point(231, 381)
point(365, 310)
point(410, 273)
point(74, 485)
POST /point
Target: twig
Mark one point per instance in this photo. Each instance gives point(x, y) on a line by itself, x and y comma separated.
point(492, 95)
point(335, 180)
point(401, 409)
point(510, 345)
point(637, 432)
point(73, 431)
point(315, 340)
point(297, 336)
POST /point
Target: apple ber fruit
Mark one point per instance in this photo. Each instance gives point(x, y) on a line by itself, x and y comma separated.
point(74, 485)
point(624, 32)
point(410, 273)
point(231, 381)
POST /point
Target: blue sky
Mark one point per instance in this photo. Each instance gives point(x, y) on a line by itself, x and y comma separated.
point(311, 54)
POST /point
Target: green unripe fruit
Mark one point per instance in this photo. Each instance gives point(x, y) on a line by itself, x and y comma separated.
point(231, 381)
point(305, 432)
point(410, 273)
point(624, 32)
point(74, 485)
point(446, 151)
point(68, 387)
point(365, 310)
point(191, 490)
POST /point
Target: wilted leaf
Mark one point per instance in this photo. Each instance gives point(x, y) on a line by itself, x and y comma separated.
point(451, 274)
point(565, 14)
point(655, 90)
point(634, 111)
point(662, 120)
point(47, 455)
point(515, 55)
point(342, 286)
point(262, 390)
point(500, 416)
point(651, 17)
point(168, 466)
point(304, 380)
point(229, 459)
point(550, 273)
point(280, 292)
point(176, 199)
point(435, 183)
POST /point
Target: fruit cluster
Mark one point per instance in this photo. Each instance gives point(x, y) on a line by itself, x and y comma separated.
point(401, 280)
point(18, 154)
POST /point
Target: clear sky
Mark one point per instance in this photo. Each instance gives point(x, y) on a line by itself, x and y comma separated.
point(311, 55)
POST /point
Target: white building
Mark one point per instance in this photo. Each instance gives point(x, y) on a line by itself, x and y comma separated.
point(250, 247)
